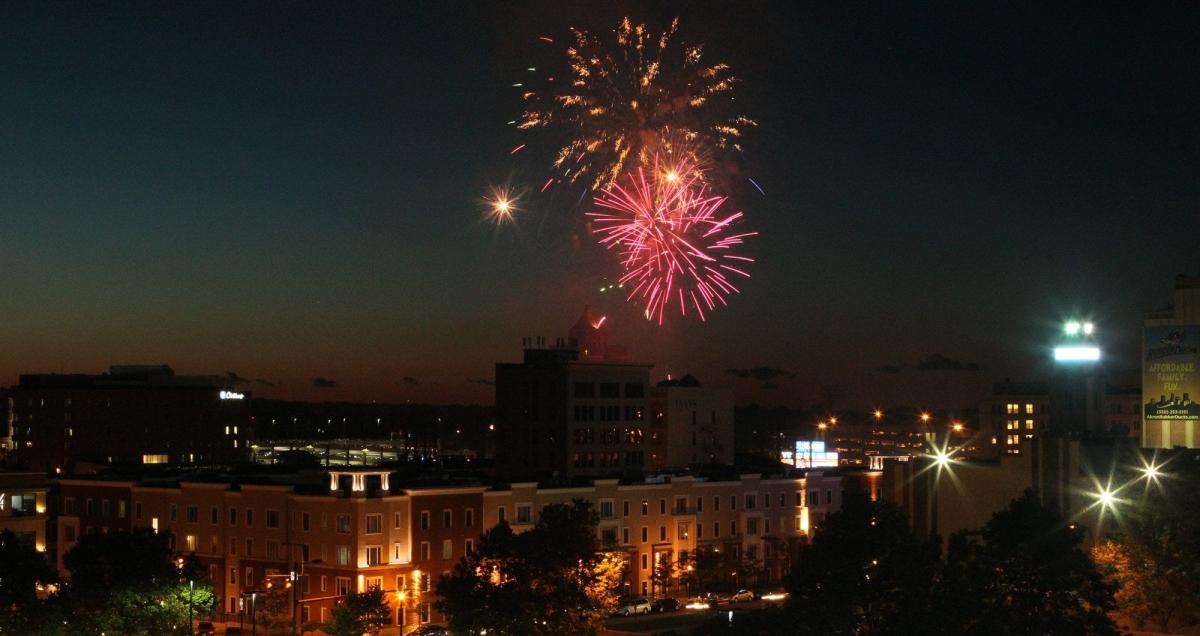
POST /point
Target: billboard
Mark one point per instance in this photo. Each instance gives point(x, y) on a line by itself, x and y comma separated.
point(1170, 382)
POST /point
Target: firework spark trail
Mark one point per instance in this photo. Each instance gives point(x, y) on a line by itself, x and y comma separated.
point(621, 97)
point(672, 238)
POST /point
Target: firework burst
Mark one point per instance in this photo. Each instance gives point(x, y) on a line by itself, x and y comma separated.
point(617, 100)
point(676, 247)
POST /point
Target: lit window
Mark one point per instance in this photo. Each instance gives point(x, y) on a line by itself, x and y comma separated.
point(1029, 425)
point(154, 459)
point(1029, 408)
point(1012, 409)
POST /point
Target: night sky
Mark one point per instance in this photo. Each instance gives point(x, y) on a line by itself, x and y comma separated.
point(294, 193)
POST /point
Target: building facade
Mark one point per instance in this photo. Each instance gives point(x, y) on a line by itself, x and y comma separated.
point(23, 500)
point(1171, 370)
point(1013, 414)
point(693, 422)
point(131, 415)
point(331, 533)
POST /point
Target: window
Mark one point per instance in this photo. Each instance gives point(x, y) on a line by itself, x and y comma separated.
point(814, 497)
point(447, 518)
point(716, 529)
point(625, 508)
point(424, 551)
point(645, 560)
point(249, 580)
point(342, 585)
point(662, 533)
point(683, 531)
point(799, 499)
point(233, 576)
point(783, 500)
point(1012, 409)
point(190, 542)
point(716, 503)
point(374, 583)
point(662, 506)
point(751, 526)
point(272, 549)
point(635, 390)
point(828, 497)
point(249, 517)
point(1028, 408)
point(699, 504)
point(424, 519)
point(447, 549)
point(272, 518)
point(396, 553)
point(699, 531)
point(645, 534)
point(233, 516)
point(610, 390)
point(423, 613)
point(500, 514)
point(193, 514)
point(1012, 440)
point(733, 502)
point(469, 518)
point(233, 545)
point(343, 524)
point(396, 520)
point(324, 583)
point(343, 555)
point(733, 528)
point(425, 582)
point(625, 535)
point(173, 512)
point(606, 509)
point(374, 524)
point(585, 390)
point(524, 513)
point(767, 500)
point(469, 546)
point(214, 516)
point(645, 507)
point(374, 555)
point(1029, 425)
point(304, 521)
point(750, 502)
point(249, 547)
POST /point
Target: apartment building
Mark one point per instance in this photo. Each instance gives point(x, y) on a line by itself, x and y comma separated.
point(325, 534)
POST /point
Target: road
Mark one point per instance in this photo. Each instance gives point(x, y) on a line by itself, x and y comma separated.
point(683, 620)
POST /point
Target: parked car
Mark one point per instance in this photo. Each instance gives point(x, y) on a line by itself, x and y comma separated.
point(716, 598)
point(205, 628)
point(634, 606)
point(432, 630)
point(741, 596)
point(664, 605)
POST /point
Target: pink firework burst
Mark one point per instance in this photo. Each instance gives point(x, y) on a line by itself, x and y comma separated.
point(676, 246)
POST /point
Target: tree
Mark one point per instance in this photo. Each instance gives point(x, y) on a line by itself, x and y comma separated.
point(1155, 561)
point(128, 583)
point(703, 572)
point(664, 573)
point(865, 572)
point(22, 570)
point(359, 614)
point(552, 579)
point(1027, 574)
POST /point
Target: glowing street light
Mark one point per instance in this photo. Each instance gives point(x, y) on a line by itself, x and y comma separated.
point(957, 427)
point(925, 417)
point(1151, 472)
point(878, 414)
point(942, 458)
point(1106, 498)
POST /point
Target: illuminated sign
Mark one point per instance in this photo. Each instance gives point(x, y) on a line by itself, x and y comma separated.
point(2, 496)
point(813, 455)
point(230, 395)
point(1085, 353)
point(1170, 384)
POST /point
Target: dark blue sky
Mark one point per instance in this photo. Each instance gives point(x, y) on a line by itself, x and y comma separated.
point(291, 192)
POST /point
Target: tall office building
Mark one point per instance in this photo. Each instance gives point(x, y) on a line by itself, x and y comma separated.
point(130, 415)
point(1170, 382)
point(693, 422)
point(575, 409)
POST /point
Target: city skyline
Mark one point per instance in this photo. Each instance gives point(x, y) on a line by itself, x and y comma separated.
point(297, 198)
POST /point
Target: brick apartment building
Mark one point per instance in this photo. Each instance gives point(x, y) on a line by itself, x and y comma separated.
point(353, 530)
